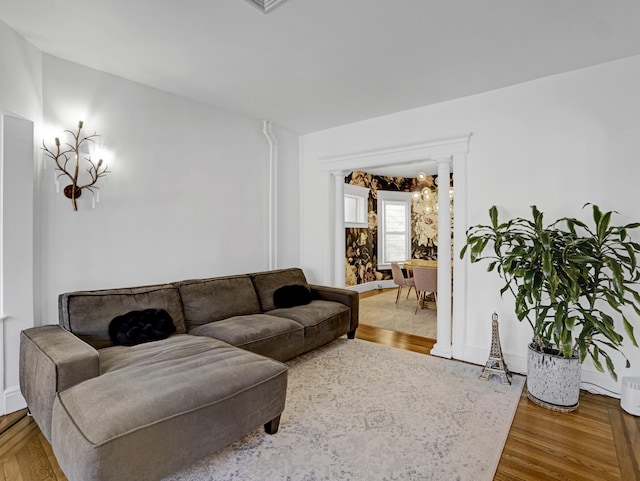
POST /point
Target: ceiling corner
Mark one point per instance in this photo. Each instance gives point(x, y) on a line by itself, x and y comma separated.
point(265, 5)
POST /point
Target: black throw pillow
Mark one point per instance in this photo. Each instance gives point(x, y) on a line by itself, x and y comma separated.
point(292, 295)
point(136, 327)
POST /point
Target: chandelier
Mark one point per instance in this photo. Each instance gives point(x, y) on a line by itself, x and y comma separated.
point(426, 198)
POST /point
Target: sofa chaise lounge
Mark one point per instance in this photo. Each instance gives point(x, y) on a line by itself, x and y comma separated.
point(117, 412)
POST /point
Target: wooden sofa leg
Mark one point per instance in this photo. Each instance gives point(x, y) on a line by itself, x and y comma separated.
point(272, 426)
point(351, 334)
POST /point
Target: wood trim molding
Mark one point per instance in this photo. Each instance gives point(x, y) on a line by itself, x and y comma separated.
point(451, 151)
point(399, 155)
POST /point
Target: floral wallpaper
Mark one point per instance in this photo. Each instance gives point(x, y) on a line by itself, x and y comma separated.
point(361, 259)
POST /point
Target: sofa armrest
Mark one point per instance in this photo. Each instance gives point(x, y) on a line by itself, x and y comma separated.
point(51, 360)
point(345, 296)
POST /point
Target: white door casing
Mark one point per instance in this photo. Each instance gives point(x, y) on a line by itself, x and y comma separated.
point(448, 155)
point(16, 251)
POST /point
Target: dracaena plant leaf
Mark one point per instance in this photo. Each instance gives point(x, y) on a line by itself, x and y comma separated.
point(571, 280)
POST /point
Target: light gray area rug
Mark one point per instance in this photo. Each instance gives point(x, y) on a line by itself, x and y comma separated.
point(380, 310)
point(363, 411)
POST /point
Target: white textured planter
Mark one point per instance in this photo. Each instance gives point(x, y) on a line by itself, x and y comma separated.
point(553, 381)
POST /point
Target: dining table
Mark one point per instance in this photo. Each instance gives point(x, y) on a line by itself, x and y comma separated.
point(411, 263)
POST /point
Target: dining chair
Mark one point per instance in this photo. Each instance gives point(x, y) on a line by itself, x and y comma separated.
point(400, 280)
point(426, 282)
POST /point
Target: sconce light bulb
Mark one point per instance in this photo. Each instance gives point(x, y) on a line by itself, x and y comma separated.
point(80, 124)
point(99, 162)
point(57, 142)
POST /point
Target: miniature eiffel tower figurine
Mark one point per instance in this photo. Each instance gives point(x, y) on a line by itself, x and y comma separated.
point(495, 364)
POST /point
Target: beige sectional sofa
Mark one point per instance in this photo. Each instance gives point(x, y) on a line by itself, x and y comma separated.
point(119, 412)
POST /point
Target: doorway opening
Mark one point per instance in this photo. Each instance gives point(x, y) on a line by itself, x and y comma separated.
point(397, 229)
point(445, 156)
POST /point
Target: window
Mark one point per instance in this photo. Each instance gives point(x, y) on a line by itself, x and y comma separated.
point(356, 200)
point(394, 227)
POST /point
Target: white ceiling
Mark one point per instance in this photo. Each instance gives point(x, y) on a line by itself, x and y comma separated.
point(315, 64)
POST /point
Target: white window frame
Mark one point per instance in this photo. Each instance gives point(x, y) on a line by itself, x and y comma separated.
point(361, 196)
point(385, 196)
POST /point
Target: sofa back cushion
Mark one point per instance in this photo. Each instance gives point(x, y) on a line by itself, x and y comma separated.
point(88, 314)
point(209, 300)
point(266, 283)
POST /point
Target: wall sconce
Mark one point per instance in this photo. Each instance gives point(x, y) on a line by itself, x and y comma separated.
point(62, 155)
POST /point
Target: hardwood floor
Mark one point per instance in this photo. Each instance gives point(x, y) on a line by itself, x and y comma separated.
point(597, 442)
point(25, 454)
point(396, 339)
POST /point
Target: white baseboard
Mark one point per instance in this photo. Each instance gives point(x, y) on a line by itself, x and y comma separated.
point(591, 380)
point(475, 355)
point(371, 286)
point(600, 382)
point(441, 351)
point(13, 400)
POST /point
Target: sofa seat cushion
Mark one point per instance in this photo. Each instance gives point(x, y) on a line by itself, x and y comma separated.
point(273, 336)
point(147, 417)
point(323, 321)
point(170, 350)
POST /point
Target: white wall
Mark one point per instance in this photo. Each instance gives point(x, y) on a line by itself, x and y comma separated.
point(557, 142)
point(187, 196)
point(20, 114)
point(21, 79)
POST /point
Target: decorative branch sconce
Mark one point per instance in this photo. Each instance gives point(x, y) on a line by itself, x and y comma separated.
point(67, 159)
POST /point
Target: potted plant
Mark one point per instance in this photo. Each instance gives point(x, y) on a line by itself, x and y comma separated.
point(572, 282)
